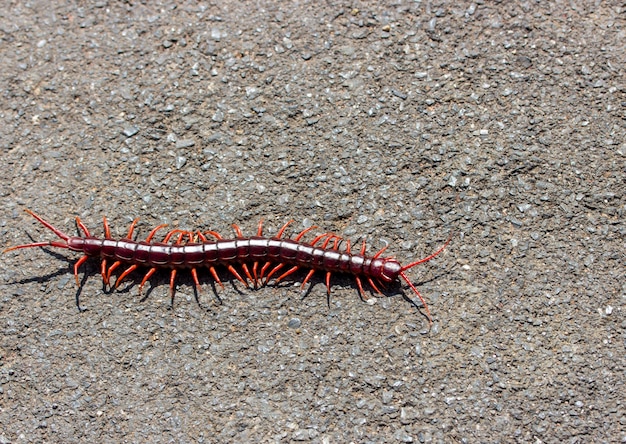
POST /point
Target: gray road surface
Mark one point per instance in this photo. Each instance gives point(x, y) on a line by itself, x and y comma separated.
point(502, 123)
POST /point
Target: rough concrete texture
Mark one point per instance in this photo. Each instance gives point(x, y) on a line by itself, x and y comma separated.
point(403, 122)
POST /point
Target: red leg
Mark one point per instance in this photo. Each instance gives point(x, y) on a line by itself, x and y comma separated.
point(77, 265)
point(169, 235)
point(320, 237)
point(237, 230)
point(131, 229)
point(103, 265)
point(359, 285)
point(126, 272)
point(82, 227)
point(274, 270)
point(255, 266)
point(194, 275)
point(308, 276)
point(107, 230)
point(282, 230)
point(112, 268)
point(215, 234)
point(154, 231)
point(406, 278)
point(303, 232)
point(264, 269)
point(331, 237)
point(287, 273)
point(382, 250)
point(172, 285)
point(215, 276)
point(328, 282)
point(371, 282)
point(103, 270)
point(328, 288)
point(145, 279)
point(234, 272)
point(244, 267)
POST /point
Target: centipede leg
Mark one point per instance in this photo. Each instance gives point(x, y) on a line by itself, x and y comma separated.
point(287, 273)
point(303, 232)
point(255, 266)
point(126, 272)
point(77, 265)
point(103, 271)
point(131, 229)
point(282, 230)
point(172, 286)
point(107, 229)
point(382, 250)
point(244, 267)
point(274, 270)
point(194, 275)
point(371, 282)
point(112, 269)
point(82, 226)
point(216, 277)
point(308, 276)
point(359, 286)
point(264, 269)
point(145, 279)
point(237, 230)
point(237, 275)
point(328, 288)
point(154, 231)
point(103, 265)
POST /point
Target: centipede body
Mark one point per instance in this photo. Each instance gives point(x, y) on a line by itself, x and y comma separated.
point(258, 258)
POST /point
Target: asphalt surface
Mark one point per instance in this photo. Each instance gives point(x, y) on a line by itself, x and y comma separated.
point(499, 123)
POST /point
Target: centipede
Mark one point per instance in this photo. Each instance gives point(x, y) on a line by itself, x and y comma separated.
point(253, 260)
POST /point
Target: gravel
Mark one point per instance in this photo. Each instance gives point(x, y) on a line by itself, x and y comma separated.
point(402, 123)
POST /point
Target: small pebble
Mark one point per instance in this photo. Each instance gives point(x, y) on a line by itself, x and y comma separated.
point(130, 131)
point(294, 323)
point(185, 143)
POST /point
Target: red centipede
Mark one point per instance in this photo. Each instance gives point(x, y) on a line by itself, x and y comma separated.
point(258, 258)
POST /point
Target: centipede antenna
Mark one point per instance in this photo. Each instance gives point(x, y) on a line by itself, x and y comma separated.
point(36, 244)
point(49, 226)
point(410, 284)
point(427, 258)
